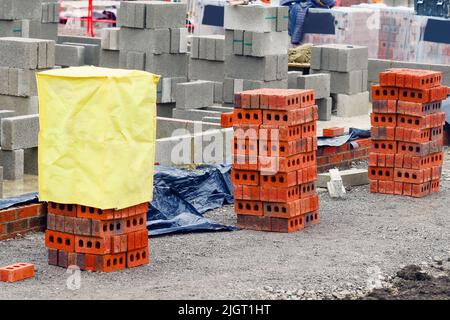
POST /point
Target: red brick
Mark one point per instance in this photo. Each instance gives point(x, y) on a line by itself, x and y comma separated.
point(333, 132)
point(17, 226)
point(138, 258)
point(28, 211)
point(8, 215)
point(16, 272)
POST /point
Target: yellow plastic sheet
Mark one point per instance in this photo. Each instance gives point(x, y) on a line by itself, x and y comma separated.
point(97, 136)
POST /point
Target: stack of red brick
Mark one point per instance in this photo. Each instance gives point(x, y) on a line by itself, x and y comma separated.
point(407, 133)
point(97, 240)
point(274, 159)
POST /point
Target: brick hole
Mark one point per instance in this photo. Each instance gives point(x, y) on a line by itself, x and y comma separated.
point(141, 221)
point(240, 206)
point(128, 223)
point(51, 239)
point(67, 242)
point(97, 245)
point(247, 116)
point(53, 205)
point(114, 261)
point(134, 222)
point(108, 263)
point(248, 206)
point(276, 209)
point(131, 257)
point(81, 243)
point(89, 244)
point(105, 228)
point(59, 240)
point(277, 117)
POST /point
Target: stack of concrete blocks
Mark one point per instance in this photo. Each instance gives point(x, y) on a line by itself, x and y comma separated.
point(74, 51)
point(207, 62)
point(320, 83)
point(347, 66)
point(195, 102)
point(379, 65)
point(109, 53)
point(153, 37)
point(20, 59)
point(29, 18)
point(256, 46)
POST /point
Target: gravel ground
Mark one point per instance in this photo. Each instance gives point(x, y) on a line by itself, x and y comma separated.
point(361, 242)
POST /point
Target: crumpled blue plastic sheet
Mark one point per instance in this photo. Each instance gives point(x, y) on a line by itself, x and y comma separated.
point(20, 200)
point(353, 134)
point(182, 196)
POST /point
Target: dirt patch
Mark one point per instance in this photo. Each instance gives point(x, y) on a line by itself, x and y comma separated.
point(414, 283)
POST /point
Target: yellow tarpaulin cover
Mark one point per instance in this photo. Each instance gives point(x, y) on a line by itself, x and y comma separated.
point(97, 136)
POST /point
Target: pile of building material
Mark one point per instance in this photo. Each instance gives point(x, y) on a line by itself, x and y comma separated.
point(20, 59)
point(97, 240)
point(274, 159)
point(347, 66)
point(256, 47)
point(206, 61)
point(153, 37)
point(29, 19)
point(407, 133)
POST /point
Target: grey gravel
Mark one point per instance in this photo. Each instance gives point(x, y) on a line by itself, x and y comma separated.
point(362, 238)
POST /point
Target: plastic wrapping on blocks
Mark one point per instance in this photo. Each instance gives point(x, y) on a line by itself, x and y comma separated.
point(97, 136)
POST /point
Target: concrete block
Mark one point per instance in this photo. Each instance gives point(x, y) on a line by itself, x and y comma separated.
point(167, 65)
point(166, 127)
point(165, 109)
point(195, 47)
point(1, 182)
point(165, 15)
point(109, 59)
point(173, 89)
point(292, 79)
point(164, 90)
point(219, 108)
point(135, 60)
point(178, 40)
point(20, 132)
point(215, 120)
point(31, 161)
point(208, 147)
point(316, 54)
point(351, 105)
point(282, 66)
point(282, 18)
point(194, 114)
point(6, 114)
point(194, 95)
point(348, 82)
point(39, 30)
point(15, 28)
point(19, 53)
point(12, 163)
point(238, 42)
point(91, 52)
point(230, 87)
point(351, 177)
point(110, 38)
point(20, 9)
point(375, 66)
point(324, 107)
point(352, 58)
point(20, 105)
point(211, 48)
point(256, 18)
point(155, 41)
point(176, 150)
point(218, 92)
point(261, 44)
point(4, 80)
point(251, 68)
point(220, 49)
point(320, 82)
point(257, 84)
point(131, 14)
point(206, 70)
point(69, 55)
point(229, 44)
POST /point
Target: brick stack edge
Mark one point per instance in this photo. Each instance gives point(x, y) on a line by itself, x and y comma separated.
point(21, 220)
point(407, 133)
point(97, 240)
point(274, 177)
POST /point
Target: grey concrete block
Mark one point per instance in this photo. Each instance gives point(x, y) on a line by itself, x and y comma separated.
point(202, 48)
point(91, 52)
point(218, 92)
point(261, 44)
point(176, 150)
point(194, 95)
point(238, 42)
point(20, 105)
point(6, 114)
point(351, 177)
point(208, 120)
point(282, 18)
point(292, 79)
point(324, 107)
point(19, 53)
point(69, 55)
point(167, 65)
point(256, 18)
point(252, 68)
point(110, 38)
point(375, 66)
point(20, 132)
point(31, 161)
point(229, 44)
point(165, 15)
point(168, 127)
point(320, 82)
point(178, 40)
point(220, 49)
point(20, 9)
point(352, 58)
point(194, 114)
point(282, 66)
point(206, 70)
point(219, 108)
point(348, 82)
point(164, 91)
point(135, 60)
point(230, 87)
point(155, 41)
point(15, 28)
point(39, 30)
point(173, 89)
point(132, 14)
point(12, 163)
point(211, 49)
point(209, 147)
point(165, 109)
point(195, 46)
point(316, 55)
point(4, 80)
point(109, 59)
point(257, 84)
point(351, 105)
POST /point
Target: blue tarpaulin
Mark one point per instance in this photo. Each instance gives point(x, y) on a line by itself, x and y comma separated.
point(353, 134)
point(20, 200)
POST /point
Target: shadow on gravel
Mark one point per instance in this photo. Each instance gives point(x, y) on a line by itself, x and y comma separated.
point(412, 283)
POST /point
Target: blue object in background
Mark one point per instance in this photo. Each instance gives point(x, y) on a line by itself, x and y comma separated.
point(213, 15)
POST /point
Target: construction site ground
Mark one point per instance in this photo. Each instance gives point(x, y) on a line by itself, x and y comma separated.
point(362, 240)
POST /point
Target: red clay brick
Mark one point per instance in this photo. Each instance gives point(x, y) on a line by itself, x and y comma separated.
point(16, 272)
